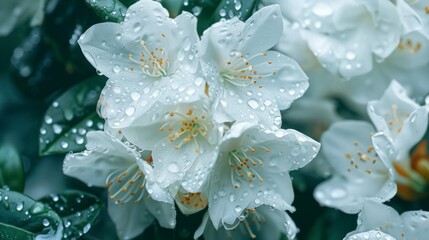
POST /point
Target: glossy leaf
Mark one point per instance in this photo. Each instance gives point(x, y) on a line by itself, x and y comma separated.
point(108, 10)
point(78, 211)
point(12, 173)
point(23, 218)
point(70, 117)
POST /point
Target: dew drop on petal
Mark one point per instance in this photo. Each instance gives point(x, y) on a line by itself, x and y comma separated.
point(45, 222)
point(253, 103)
point(173, 167)
point(237, 208)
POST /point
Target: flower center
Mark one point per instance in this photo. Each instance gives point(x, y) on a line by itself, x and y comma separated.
point(239, 72)
point(409, 46)
point(154, 63)
point(193, 200)
point(185, 128)
point(395, 119)
point(365, 157)
point(126, 185)
point(244, 163)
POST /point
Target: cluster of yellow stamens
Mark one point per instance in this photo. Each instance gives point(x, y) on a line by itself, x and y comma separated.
point(243, 163)
point(194, 200)
point(395, 119)
point(184, 128)
point(154, 62)
point(126, 185)
point(410, 46)
point(364, 158)
point(240, 72)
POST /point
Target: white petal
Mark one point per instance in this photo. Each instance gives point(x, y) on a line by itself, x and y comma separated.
point(400, 118)
point(416, 224)
point(261, 31)
point(287, 84)
point(348, 196)
point(409, 18)
point(164, 213)
point(105, 155)
point(155, 191)
point(130, 219)
point(102, 46)
point(376, 215)
point(370, 235)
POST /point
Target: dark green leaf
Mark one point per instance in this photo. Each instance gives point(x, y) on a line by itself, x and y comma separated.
point(78, 211)
point(108, 10)
point(23, 218)
point(11, 169)
point(70, 117)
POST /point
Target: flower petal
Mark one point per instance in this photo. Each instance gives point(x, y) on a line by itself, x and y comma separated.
point(261, 31)
point(105, 155)
point(163, 212)
point(372, 234)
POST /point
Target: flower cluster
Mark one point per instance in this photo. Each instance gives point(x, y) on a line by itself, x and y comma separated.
point(372, 161)
point(194, 122)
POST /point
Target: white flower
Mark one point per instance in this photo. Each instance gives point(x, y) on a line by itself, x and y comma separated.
point(345, 35)
point(260, 223)
point(149, 57)
point(359, 172)
point(408, 65)
point(247, 81)
point(111, 163)
point(419, 19)
point(400, 119)
point(253, 170)
point(369, 235)
point(376, 216)
point(183, 139)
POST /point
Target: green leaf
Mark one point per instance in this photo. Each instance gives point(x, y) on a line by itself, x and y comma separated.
point(70, 117)
point(78, 211)
point(108, 10)
point(23, 218)
point(11, 169)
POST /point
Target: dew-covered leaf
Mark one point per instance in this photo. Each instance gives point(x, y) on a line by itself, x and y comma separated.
point(108, 10)
point(23, 218)
point(11, 169)
point(78, 211)
point(70, 117)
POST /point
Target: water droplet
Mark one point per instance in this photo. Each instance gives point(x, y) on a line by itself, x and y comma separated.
point(253, 103)
point(237, 208)
point(222, 12)
point(19, 206)
point(173, 167)
point(257, 201)
point(79, 140)
point(45, 222)
point(86, 228)
point(237, 5)
point(135, 96)
point(64, 144)
point(55, 104)
point(48, 119)
point(350, 55)
point(130, 110)
point(57, 128)
point(322, 9)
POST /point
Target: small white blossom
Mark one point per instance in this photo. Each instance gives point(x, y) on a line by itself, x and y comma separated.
point(359, 172)
point(148, 58)
point(111, 163)
point(378, 217)
point(183, 139)
point(260, 223)
point(253, 170)
point(246, 80)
